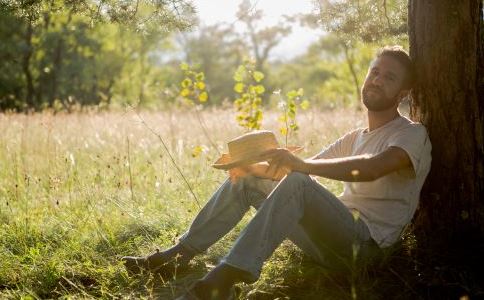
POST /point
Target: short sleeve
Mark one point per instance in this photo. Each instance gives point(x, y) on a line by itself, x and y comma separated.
point(414, 140)
point(342, 147)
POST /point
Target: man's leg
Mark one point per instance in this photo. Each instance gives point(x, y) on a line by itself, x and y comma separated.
point(220, 214)
point(297, 202)
point(224, 211)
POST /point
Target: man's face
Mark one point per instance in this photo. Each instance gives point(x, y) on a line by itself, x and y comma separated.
point(383, 86)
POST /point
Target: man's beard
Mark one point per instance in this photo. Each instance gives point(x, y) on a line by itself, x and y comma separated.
point(378, 101)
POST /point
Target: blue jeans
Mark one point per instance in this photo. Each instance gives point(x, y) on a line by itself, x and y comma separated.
point(297, 208)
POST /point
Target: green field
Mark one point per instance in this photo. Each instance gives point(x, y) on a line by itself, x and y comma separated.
point(77, 191)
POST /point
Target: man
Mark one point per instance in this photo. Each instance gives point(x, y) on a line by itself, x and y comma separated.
point(383, 168)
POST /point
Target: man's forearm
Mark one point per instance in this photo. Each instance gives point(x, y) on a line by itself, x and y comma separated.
point(355, 168)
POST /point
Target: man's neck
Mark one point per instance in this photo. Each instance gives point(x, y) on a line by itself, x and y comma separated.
point(376, 119)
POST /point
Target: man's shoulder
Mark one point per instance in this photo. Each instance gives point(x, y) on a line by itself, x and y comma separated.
point(409, 132)
point(354, 132)
point(407, 126)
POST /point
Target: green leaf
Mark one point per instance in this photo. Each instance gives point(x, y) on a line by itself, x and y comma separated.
point(239, 74)
point(200, 76)
point(239, 87)
point(292, 94)
point(184, 66)
point(186, 83)
point(203, 97)
point(304, 104)
point(258, 76)
point(185, 93)
point(238, 77)
point(259, 89)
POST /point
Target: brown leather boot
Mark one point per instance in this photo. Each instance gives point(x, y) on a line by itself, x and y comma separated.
point(157, 262)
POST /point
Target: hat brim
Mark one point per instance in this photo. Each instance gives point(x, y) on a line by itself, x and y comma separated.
point(225, 162)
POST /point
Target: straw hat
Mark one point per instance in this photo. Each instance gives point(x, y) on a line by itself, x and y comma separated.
point(247, 149)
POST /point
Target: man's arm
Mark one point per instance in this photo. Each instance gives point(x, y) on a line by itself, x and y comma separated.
point(352, 168)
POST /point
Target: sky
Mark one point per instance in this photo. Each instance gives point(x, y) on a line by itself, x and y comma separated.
point(215, 11)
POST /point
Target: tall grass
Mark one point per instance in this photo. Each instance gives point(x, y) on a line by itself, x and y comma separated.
point(79, 190)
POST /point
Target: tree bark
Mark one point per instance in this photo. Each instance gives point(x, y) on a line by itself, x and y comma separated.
point(446, 46)
point(26, 65)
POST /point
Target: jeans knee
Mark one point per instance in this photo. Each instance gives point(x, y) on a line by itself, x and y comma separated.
point(298, 177)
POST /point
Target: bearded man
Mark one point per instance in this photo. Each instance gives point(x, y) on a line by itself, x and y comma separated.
point(383, 167)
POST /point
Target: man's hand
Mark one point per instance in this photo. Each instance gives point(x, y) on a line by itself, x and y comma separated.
point(282, 159)
point(236, 173)
point(260, 170)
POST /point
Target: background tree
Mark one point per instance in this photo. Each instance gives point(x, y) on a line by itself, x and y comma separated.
point(218, 49)
point(57, 45)
point(261, 40)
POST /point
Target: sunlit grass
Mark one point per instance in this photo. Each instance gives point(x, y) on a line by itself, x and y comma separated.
point(78, 190)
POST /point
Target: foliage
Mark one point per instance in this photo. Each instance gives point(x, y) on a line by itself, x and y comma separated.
point(218, 50)
point(249, 90)
point(67, 53)
point(193, 87)
point(288, 109)
point(143, 15)
point(261, 41)
point(368, 21)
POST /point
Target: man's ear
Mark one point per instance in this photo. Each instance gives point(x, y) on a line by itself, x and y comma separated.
point(402, 94)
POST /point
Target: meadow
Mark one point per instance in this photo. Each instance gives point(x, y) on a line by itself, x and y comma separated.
point(77, 191)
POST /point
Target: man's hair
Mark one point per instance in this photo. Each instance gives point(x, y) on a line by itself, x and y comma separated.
point(400, 55)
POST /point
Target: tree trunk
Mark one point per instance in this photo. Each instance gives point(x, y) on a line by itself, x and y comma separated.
point(446, 46)
point(350, 61)
point(26, 66)
point(57, 64)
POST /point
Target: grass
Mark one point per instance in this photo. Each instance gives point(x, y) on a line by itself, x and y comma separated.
point(79, 190)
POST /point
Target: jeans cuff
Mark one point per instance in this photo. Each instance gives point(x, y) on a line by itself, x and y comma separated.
point(252, 276)
point(189, 248)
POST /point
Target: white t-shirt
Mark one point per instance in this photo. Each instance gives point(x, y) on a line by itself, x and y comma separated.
point(388, 203)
